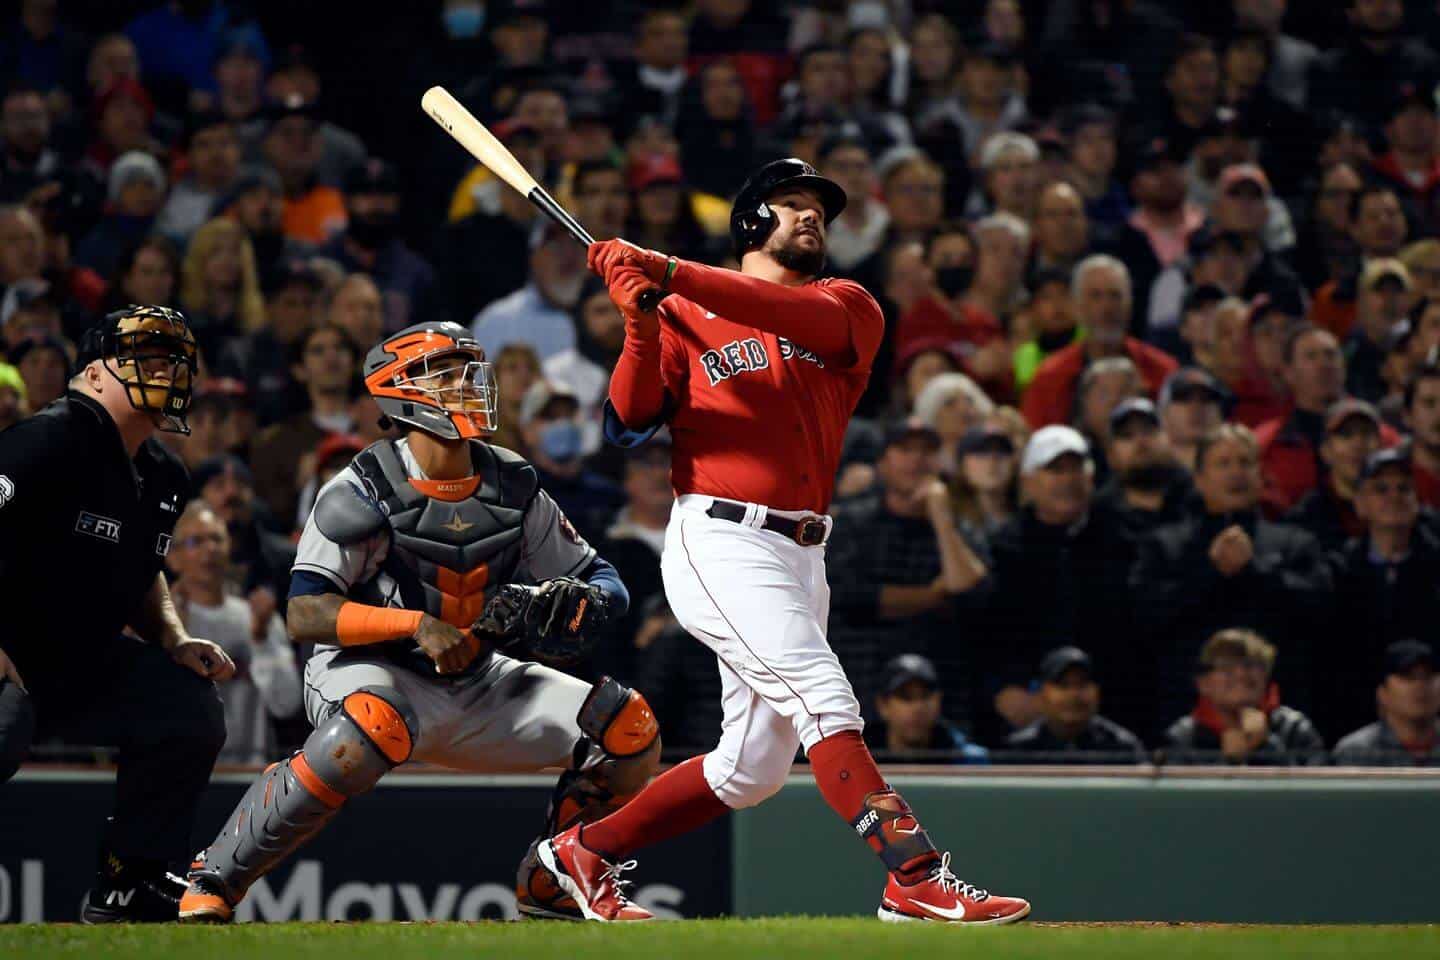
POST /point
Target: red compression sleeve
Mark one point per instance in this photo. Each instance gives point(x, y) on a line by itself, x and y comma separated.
point(637, 388)
point(676, 802)
point(842, 325)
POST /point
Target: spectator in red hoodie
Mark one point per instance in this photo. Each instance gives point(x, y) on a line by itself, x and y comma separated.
point(1102, 295)
point(946, 315)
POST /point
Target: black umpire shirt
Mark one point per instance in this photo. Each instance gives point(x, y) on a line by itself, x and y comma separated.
point(84, 529)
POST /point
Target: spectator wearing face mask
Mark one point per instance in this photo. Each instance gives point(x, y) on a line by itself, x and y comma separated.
point(945, 313)
point(554, 440)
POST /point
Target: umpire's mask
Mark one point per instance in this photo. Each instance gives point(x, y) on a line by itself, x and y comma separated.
point(151, 351)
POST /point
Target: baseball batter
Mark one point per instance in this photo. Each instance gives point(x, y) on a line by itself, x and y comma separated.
point(420, 560)
point(757, 374)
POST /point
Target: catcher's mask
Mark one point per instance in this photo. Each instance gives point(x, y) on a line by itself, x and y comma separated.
point(151, 352)
point(434, 377)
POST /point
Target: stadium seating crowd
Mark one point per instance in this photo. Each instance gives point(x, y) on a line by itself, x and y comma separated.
point(1161, 283)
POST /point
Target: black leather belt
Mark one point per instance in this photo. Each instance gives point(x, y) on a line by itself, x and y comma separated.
point(807, 531)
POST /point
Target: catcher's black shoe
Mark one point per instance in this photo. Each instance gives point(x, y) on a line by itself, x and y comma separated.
point(133, 893)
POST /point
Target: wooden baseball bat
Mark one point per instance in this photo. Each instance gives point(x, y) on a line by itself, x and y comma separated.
point(471, 134)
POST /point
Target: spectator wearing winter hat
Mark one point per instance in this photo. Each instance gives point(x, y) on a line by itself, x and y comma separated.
point(951, 404)
point(135, 193)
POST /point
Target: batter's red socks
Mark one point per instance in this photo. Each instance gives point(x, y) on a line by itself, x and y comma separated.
point(851, 783)
point(676, 802)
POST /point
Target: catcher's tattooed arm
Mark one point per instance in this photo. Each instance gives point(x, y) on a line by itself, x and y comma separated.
point(330, 618)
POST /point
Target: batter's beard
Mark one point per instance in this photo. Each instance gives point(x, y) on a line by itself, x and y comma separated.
point(807, 262)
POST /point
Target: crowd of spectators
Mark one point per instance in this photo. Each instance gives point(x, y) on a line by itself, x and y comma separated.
point(1157, 409)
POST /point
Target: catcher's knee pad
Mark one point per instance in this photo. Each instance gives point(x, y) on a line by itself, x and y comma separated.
point(346, 755)
point(374, 730)
point(616, 756)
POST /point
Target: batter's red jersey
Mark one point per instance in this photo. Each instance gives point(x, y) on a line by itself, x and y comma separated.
point(754, 415)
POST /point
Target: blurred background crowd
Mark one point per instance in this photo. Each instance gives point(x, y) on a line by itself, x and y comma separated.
point(1146, 463)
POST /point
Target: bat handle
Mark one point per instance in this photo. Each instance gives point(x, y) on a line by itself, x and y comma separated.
point(650, 299)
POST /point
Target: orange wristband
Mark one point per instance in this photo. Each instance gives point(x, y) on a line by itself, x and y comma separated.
point(359, 624)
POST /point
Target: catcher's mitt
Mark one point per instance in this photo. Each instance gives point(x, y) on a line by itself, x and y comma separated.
point(553, 623)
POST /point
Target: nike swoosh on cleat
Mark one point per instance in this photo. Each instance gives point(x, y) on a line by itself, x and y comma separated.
point(956, 912)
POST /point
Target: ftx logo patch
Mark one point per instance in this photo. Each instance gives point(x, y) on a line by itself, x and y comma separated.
point(102, 528)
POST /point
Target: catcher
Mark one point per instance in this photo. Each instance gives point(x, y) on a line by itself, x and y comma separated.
point(432, 575)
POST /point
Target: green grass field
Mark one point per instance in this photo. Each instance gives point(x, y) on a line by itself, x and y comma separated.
point(789, 938)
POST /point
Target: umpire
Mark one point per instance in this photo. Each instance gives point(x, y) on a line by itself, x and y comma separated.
point(88, 500)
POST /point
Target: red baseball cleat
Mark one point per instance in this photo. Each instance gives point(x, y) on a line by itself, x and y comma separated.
point(593, 883)
point(943, 897)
